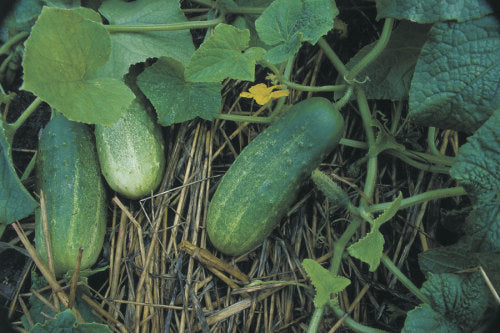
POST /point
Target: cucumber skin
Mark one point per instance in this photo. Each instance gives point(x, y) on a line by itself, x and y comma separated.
point(131, 153)
point(264, 180)
point(68, 172)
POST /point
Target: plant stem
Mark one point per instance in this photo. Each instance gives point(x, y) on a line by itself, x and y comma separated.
point(353, 324)
point(245, 10)
point(330, 54)
point(374, 53)
point(13, 41)
point(301, 87)
point(431, 141)
point(420, 198)
point(426, 167)
point(345, 99)
point(11, 128)
point(164, 27)
point(403, 279)
point(240, 118)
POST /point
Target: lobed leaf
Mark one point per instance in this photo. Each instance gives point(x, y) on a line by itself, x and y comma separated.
point(130, 48)
point(224, 55)
point(174, 99)
point(455, 84)
point(63, 54)
point(369, 249)
point(325, 282)
point(286, 23)
point(424, 319)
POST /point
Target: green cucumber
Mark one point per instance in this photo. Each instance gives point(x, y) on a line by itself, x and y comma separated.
point(67, 171)
point(131, 153)
point(262, 183)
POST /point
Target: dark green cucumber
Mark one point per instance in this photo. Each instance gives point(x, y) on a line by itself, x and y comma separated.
point(262, 183)
point(67, 170)
point(131, 152)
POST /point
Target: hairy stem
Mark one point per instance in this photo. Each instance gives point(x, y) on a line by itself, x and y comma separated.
point(332, 56)
point(11, 128)
point(240, 118)
point(420, 198)
point(4, 49)
point(374, 53)
point(403, 279)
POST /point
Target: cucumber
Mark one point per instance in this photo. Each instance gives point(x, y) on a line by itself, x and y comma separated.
point(131, 152)
point(262, 183)
point(68, 172)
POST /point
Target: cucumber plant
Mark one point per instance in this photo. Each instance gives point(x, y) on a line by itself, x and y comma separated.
point(436, 63)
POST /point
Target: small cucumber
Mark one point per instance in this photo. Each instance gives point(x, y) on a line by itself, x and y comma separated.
point(68, 172)
point(262, 183)
point(131, 152)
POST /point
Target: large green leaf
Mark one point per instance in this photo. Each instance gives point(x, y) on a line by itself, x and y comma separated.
point(287, 23)
point(455, 84)
point(130, 48)
point(174, 99)
point(63, 53)
point(324, 281)
point(430, 11)
point(389, 76)
point(477, 165)
point(223, 55)
point(457, 257)
point(461, 298)
point(15, 201)
point(424, 319)
point(483, 226)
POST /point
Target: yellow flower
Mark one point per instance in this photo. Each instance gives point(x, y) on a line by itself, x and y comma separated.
point(263, 94)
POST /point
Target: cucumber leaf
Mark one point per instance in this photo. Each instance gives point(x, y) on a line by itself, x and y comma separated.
point(223, 55)
point(369, 249)
point(66, 322)
point(285, 24)
point(455, 84)
point(430, 11)
point(325, 282)
point(477, 165)
point(15, 201)
point(174, 99)
point(390, 74)
point(424, 319)
point(63, 53)
point(130, 48)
